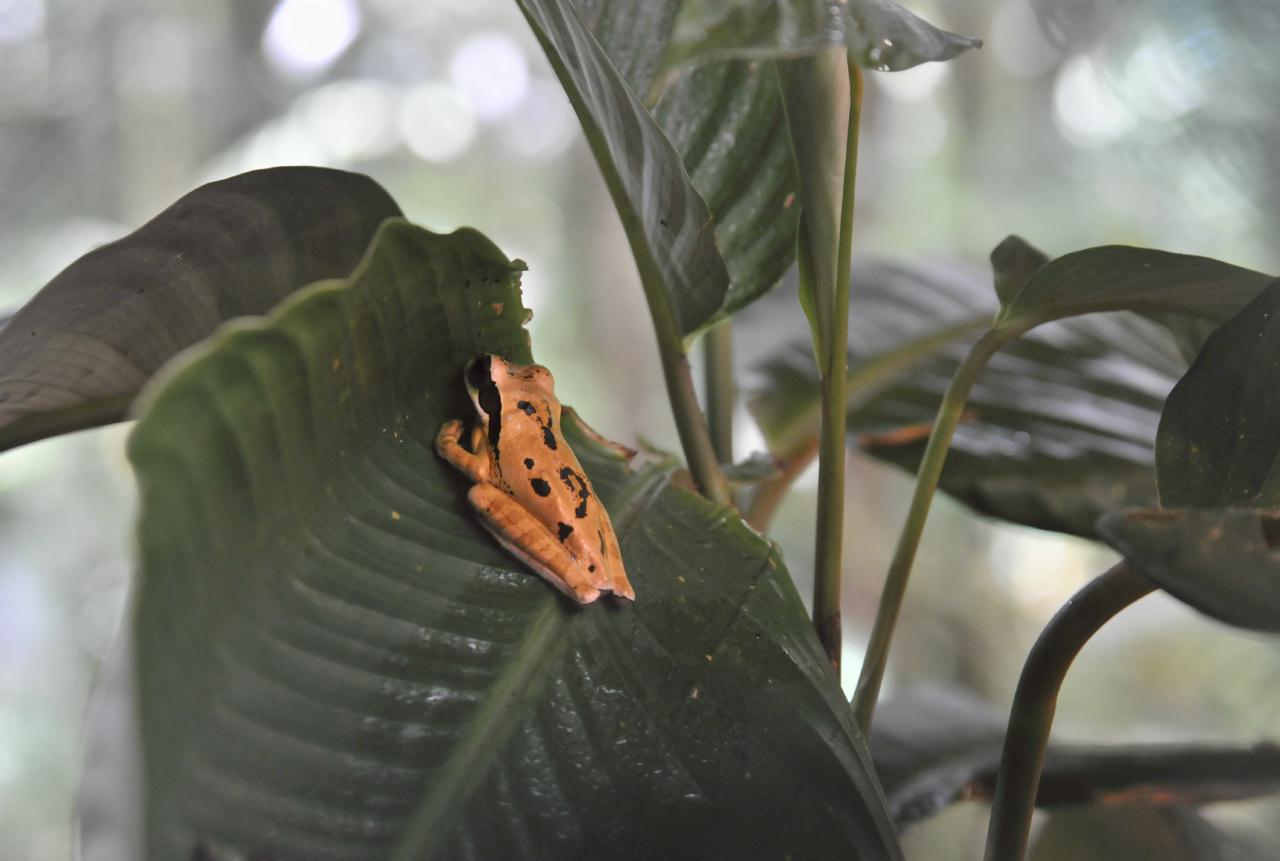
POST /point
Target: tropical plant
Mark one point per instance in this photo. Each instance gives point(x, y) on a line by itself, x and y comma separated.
point(334, 660)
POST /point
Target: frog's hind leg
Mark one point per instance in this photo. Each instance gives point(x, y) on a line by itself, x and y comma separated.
point(476, 465)
point(530, 541)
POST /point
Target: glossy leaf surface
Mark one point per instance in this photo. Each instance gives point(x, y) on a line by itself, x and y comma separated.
point(76, 354)
point(336, 661)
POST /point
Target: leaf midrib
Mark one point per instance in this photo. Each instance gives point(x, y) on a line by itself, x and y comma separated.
point(542, 645)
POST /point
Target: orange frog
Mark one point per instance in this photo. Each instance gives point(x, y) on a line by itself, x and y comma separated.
point(530, 491)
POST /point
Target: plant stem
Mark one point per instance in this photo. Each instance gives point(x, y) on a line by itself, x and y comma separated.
point(1034, 702)
point(691, 426)
point(717, 350)
point(895, 584)
point(828, 551)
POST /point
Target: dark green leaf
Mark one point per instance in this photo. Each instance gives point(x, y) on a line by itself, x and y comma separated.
point(336, 661)
point(1061, 423)
point(1013, 262)
point(725, 119)
point(880, 34)
point(666, 221)
point(935, 746)
point(78, 352)
point(1120, 278)
point(1217, 451)
point(1221, 561)
point(1219, 440)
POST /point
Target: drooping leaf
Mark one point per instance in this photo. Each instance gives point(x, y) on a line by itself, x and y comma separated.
point(1060, 426)
point(76, 354)
point(1219, 440)
point(666, 221)
point(725, 120)
point(934, 747)
point(1214, 547)
point(1224, 562)
point(880, 34)
point(336, 661)
point(1121, 278)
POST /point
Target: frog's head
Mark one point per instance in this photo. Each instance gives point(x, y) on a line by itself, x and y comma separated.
point(493, 382)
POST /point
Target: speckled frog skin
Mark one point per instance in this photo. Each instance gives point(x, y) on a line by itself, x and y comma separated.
point(530, 492)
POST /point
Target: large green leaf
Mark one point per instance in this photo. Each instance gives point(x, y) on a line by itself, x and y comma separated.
point(336, 661)
point(1221, 561)
point(934, 747)
point(1217, 454)
point(666, 221)
point(1219, 441)
point(1060, 426)
point(880, 34)
point(1121, 278)
point(77, 354)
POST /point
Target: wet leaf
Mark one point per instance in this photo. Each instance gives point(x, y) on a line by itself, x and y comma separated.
point(879, 34)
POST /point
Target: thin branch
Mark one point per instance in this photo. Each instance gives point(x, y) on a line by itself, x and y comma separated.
point(722, 395)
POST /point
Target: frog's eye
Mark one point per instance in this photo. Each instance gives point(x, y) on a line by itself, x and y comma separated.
point(485, 395)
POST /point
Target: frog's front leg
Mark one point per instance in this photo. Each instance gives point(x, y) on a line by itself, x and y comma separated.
point(476, 464)
point(529, 540)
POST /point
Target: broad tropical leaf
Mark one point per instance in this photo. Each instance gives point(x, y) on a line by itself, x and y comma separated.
point(666, 221)
point(934, 747)
point(1121, 278)
point(1217, 452)
point(1060, 427)
point(77, 354)
point(336, 661)
point(1219, 441)
point(1221, 561)
point(880, 34)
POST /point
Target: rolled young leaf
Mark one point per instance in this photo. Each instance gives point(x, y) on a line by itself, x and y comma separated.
point(336, 659)
point(76, 354)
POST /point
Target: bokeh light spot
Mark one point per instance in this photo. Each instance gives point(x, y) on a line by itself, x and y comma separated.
point(491, 72)
point(437, 122)
point(304, 37)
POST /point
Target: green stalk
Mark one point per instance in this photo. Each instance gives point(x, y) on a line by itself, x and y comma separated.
point(1034, 703)
point(828, 551)
point(895, 586)
point(717, 351)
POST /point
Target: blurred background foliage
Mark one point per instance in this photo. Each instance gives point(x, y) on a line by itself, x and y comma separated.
point(1082, 122)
